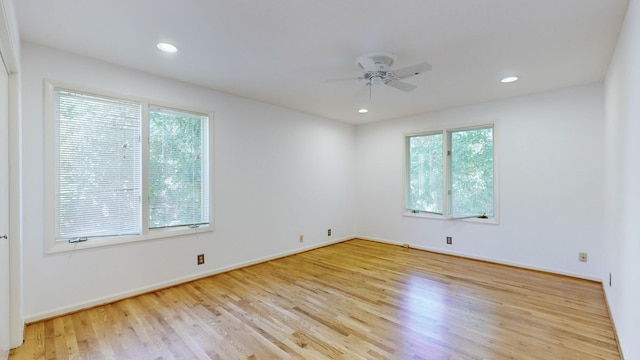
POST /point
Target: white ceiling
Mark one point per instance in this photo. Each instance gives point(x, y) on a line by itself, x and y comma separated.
point(282, 51)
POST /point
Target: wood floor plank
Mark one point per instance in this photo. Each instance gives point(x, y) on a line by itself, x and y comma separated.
point(353, 300)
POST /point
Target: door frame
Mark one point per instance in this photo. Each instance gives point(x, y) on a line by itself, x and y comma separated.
point(10, 52)
point(5, 272)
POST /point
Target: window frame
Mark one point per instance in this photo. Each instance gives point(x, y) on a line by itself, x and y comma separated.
point(54, 246)
point(446, 183)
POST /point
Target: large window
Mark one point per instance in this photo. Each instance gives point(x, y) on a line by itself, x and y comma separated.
point(450, 173)
point(97, 157)
point(124, 170)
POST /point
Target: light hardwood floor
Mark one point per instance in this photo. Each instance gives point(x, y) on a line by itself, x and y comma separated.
point(352, 300)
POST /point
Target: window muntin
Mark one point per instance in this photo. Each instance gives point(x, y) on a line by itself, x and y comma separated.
point(464, 172)
point(128, 156)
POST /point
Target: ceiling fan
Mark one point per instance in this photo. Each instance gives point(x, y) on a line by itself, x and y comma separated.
point(377, 70)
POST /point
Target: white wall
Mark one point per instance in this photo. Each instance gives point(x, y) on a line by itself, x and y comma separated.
point(622, 232)
point(278, 174)
point(550, 171)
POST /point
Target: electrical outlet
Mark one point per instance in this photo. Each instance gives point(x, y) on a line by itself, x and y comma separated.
point(582, 257)
point(449, 240)
point(329, 232)
point(200, 259)
point(301, 238)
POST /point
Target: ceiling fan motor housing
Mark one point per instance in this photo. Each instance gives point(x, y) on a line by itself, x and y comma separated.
point(375, 61)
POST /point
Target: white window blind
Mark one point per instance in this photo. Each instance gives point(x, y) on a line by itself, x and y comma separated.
point(178, 158)
point(98, 166)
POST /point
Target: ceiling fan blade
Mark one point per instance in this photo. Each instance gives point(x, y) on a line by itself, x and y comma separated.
point(411, 70)
point(400, 85)
point(367, 63)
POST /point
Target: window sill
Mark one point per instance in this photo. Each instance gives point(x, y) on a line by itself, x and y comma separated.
point(61, 246)
point(425, 215)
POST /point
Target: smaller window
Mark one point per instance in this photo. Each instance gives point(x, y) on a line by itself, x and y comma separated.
point(465, 172)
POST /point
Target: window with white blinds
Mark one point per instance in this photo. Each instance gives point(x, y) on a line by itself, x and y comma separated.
point(126, 169)
point(97, 165)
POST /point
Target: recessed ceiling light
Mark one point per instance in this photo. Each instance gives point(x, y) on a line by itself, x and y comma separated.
point(166, 47)
point(509, 79)
point(363, 111)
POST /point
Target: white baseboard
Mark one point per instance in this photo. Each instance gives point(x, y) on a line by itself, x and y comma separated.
point(491, 260)
point(146, 289)
point(185, 279)
point(613, 320)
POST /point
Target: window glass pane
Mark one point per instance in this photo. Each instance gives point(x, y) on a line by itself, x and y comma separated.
point(472, 172)
point(178, 193)
point(97, 158)
point(425, 173)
